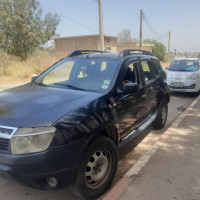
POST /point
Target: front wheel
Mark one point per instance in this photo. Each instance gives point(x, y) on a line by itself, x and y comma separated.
point(162, 115)
point(196, 94)
point(97, 169)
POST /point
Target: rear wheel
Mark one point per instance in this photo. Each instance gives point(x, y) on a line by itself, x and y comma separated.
point(97, 169)
point(162, 115)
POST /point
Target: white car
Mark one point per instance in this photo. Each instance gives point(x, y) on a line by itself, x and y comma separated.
point(183, 75)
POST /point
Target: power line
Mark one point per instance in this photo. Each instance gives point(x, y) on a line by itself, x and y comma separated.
point(153, 30)
point(157, 36)
point(122, 25)
point(69, 19)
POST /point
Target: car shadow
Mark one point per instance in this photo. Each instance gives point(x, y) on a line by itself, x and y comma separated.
point(183, 94)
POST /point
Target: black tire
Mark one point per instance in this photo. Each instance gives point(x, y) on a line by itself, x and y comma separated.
point(97, 169)
point(196, 94)
point(161, 118)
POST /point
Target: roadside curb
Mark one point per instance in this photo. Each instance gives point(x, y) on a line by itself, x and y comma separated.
point(126, 180)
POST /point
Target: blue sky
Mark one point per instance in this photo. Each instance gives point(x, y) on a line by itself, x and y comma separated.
point(181, 17)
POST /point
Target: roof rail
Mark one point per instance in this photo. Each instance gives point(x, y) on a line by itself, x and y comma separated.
point(127, 52)
point(81, 52)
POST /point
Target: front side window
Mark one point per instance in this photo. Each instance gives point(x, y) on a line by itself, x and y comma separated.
point(131, 74)
point(147, 72)
point(184, 65)
point(83, 74)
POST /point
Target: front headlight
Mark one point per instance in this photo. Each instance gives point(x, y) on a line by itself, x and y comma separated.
point(31, 140)
point(194, 76)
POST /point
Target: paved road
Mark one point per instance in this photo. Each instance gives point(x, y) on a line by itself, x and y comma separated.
point(128, 155)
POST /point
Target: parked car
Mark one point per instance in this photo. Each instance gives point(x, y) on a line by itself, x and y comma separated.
point(183, 75)
point(65, 127)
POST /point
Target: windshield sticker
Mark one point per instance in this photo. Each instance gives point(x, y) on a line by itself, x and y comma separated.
point(104, 86)
point(189, 63)
point(106, 82)
point(92, 62)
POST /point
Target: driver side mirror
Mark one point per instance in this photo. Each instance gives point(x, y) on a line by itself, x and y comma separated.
point(34, 77)
point(163, 75)
point(131, 88)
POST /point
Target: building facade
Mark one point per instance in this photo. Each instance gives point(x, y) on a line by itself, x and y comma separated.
point(66, 45)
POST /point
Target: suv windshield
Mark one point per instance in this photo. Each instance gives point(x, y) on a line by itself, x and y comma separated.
point(80, 74)
point(184, 65)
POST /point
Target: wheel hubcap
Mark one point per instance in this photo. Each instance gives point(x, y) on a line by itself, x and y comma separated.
point(98, 168)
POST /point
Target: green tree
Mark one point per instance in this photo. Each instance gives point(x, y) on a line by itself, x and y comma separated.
point(22, 28)
point(158, 50)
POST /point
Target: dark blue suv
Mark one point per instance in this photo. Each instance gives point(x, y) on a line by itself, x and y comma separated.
point(65, 127)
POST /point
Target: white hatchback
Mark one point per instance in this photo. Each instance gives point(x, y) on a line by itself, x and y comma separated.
point(183, 75)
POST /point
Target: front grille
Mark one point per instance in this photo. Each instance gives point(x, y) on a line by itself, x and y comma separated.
point(4, 145)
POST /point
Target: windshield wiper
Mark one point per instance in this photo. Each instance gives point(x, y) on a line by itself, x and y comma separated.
point(69, 86)
point(74, 87)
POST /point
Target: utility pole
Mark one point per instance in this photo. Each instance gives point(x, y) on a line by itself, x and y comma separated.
point(169, 44)
point(101, 34)
point(141, 20)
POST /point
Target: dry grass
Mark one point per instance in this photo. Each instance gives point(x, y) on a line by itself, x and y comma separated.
point(165, 64)
point(14, 70)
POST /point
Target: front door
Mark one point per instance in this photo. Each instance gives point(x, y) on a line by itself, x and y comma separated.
point(131, 107)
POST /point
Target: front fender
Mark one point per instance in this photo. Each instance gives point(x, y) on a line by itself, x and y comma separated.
point(85, 122)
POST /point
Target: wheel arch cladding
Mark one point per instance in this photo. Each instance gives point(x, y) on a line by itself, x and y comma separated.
point(110, 132)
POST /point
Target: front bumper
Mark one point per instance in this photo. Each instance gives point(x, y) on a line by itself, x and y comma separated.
point(186, 85)
point(60, 162)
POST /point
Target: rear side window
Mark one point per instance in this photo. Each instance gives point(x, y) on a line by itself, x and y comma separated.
point(157, 67)
point(147, 71)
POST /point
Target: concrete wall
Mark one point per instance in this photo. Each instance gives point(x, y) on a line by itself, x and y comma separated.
point(64, 46)
point(110, 43)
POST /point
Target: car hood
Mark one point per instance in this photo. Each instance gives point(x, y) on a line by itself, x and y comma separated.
point(179, 74)
point(32, 105)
